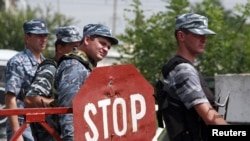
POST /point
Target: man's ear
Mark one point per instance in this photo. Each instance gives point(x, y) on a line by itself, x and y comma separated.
point(180, 35)
point(26, 37)
point(59, 48)
point(86, 39)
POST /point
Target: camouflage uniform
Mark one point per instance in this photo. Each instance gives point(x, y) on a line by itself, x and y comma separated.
point(20, 71)
point(43, 83)
point(191, 92)
point(71, 75)
point(44, 80)
point(186, 87)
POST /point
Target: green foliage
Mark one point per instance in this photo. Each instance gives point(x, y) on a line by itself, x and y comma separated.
point(11, 31)
point(2, 3)
point(151, 40)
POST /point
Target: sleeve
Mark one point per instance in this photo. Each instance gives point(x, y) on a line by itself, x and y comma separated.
point(43, 82)
point(187, 85)
point(71, 74)
point(14, 74)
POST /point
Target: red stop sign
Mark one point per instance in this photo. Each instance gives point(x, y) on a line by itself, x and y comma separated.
point(115, 103)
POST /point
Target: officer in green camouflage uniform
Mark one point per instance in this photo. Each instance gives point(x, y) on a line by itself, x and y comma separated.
point(72, 73)
point(42, 91)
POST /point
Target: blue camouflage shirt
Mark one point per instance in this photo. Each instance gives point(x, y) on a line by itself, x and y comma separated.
point(43, 85)
point(70, 76)
point(19, 73)
point(43, 82)
point(190, 92)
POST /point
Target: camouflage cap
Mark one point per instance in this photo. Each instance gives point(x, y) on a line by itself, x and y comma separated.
point(101, 30)
point(195, 23)
point(68, 34)
point(35, 26)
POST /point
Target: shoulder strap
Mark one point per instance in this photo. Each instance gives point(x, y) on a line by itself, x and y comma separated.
point(51, 61)
point(160, 96)
point(80, 56)
point(170, 65)
point(47, 61)
point(177, 60)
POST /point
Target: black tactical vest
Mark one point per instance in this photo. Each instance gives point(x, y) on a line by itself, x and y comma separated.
point(178, 119)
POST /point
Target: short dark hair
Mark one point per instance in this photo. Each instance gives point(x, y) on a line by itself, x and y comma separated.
point(183, 30)
point(59, 42)
point(92, 37)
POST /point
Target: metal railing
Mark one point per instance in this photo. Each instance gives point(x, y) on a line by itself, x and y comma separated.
point(35, 115)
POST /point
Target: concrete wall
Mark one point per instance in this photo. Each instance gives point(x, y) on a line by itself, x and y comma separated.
point(238, 85)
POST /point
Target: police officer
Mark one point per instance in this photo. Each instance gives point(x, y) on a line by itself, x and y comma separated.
point(20, 71)
point(42, 92)
point(72, 73)
point(190, 102)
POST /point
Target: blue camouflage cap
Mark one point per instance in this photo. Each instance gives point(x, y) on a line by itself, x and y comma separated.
point(35, 26)
point(68, 34)
point(101, 30)
point(194, 23)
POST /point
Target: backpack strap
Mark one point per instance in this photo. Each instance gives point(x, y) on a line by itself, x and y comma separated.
point(161, 89)
point(80, 56)
point(176, 60)
point(47, 61)
point(51, 61)
point(170, 65)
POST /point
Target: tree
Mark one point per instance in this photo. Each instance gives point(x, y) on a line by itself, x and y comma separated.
point(2, 5)
point(231, 40)
point(151, 40)
point(11, 31)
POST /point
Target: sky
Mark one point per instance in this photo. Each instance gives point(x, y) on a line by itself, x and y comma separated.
point(97, 11)
point(102, 11)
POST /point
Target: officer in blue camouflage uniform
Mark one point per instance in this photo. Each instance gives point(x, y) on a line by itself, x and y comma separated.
point(190, 102)
point(42, 91)
point(20, 71)
point(72, 73)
